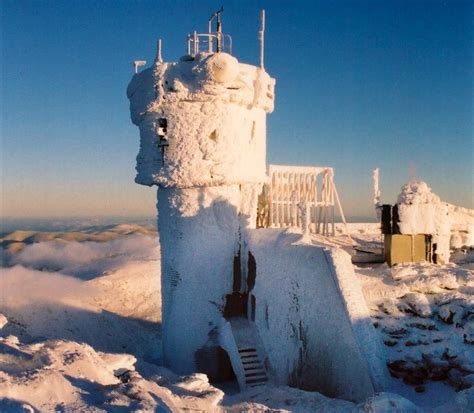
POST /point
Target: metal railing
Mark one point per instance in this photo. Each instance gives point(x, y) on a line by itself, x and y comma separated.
point(209, 42)
point(298, 196)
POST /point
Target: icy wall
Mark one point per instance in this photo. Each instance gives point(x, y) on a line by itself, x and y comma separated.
point(422, 212)
point(215, 108)
point(209, 178)
point(312, 318)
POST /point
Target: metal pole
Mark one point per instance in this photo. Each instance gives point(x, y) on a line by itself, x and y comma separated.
point(277, 198)
point(261, 36)
point(209, 30)
point(332, 207)
point(326, 206)
point(158, 52)
point(375, 178)
point(229, 49)
point(195, 41)
point(342, 214)
point(219, 32)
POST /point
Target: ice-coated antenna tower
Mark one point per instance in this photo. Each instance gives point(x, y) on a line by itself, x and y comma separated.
point(158, 58)
point(261, 37)
point(216, 15)
point(202, 124)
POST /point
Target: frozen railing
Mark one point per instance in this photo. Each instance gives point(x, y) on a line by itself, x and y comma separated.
point(217, 41)
point(299, 196)
point(209, 42)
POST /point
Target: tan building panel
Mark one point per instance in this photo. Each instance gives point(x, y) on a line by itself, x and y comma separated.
point(407, 248)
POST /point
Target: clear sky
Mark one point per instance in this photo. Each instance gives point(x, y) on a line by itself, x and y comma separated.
point(360, 84)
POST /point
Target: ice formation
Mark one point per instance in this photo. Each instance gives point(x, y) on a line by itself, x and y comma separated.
point(215, 109)
point(226, 310)
point(209, 175)
point(312, 317)
point(422, 212)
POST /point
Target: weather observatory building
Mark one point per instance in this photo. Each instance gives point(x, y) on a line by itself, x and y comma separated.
point(237, 302)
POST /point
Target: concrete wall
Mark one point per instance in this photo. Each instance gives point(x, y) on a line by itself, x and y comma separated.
point(312, 318)
point(199, 236)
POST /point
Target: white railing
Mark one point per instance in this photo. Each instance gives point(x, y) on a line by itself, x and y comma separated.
point(209, 42)
point(300, 196)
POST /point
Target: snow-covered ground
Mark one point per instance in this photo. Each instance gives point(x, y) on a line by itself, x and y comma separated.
point(81, 330)
point(425, 315)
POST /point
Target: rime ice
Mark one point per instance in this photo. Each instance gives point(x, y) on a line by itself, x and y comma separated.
point(227, 308)
point(209, 165)
point(422, 212)
point(215, 110)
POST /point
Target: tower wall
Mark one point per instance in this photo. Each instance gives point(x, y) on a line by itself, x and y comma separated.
point(208, 181)
point(199, 236)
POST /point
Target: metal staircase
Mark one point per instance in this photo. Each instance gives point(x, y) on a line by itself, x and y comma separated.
point(255, 374)
point(249, 355)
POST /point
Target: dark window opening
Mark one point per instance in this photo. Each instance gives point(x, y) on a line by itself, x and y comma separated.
point(252, 272)
point(237, 273)
point(162, 127)
point(253, 307)
point(235, 305)
point(213, 136)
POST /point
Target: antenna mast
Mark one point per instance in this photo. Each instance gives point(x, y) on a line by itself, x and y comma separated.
point(158, 58)
point(218, 29)
point(261, 36)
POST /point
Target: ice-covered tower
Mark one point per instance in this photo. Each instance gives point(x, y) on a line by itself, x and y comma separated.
point(202, 124)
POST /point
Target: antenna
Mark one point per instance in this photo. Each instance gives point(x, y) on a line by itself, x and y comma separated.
point(218, 29)
point(261, 36)
point(158, 58)
point(376, 188)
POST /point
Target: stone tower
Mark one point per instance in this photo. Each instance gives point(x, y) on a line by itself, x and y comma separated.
point(202, 124)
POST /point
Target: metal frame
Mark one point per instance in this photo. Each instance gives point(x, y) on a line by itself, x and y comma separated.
point(302, 196)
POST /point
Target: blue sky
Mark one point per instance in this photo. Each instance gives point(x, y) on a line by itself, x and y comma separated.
point(359, 84)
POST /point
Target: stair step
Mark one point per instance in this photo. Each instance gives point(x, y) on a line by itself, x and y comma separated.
point(254, 368)
point(256, 381)
point(257, 384)
point(247, 350)
point(249, 354)
point(248, 357)
point(256, 374)
point(252, 364)
point(251, 359)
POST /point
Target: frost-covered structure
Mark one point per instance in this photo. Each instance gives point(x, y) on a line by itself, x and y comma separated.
point(209, 173)
point(422, 212)
point(226, 309)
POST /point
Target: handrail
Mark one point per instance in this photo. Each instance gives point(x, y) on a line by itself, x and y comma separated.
point(195, 39)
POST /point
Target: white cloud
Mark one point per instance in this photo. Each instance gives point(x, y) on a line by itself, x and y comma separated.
point(20, 285)
point(87, 259)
